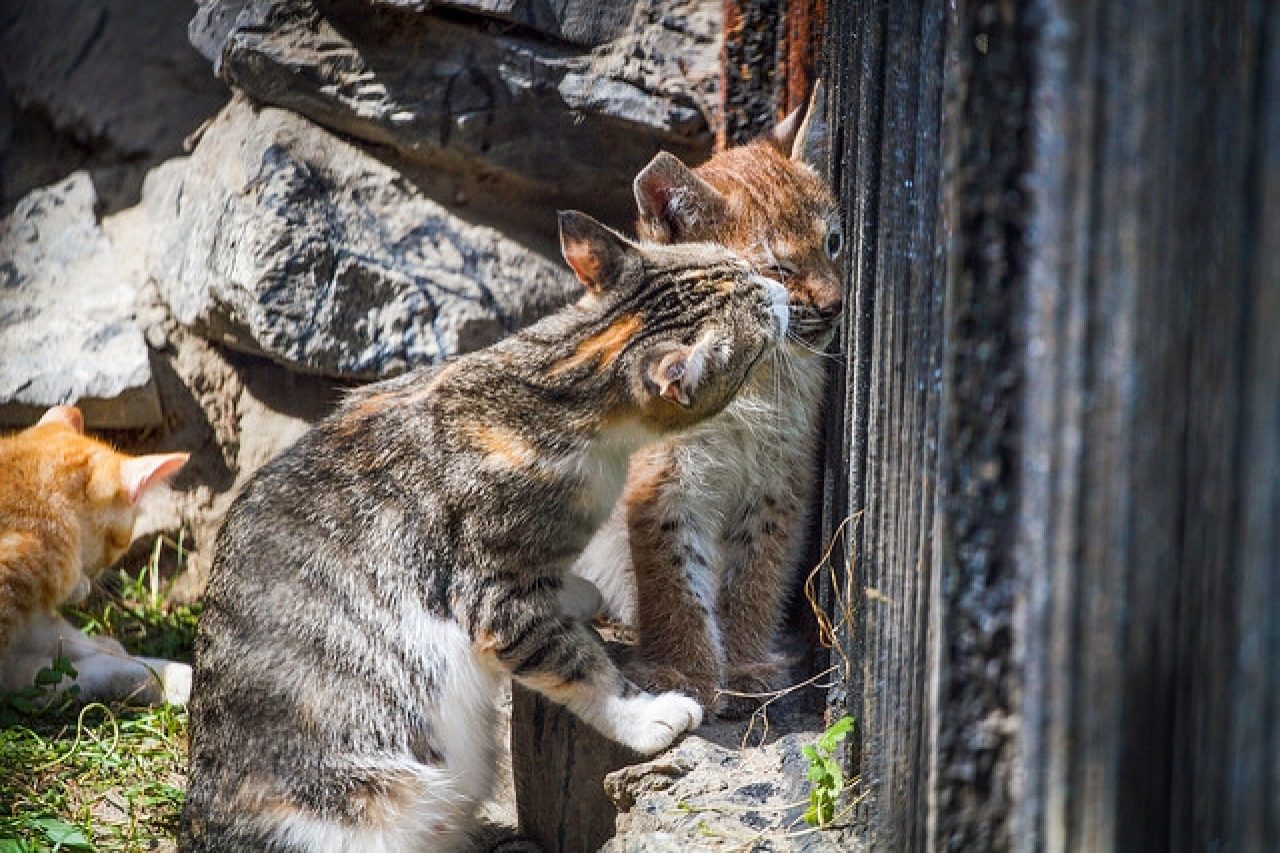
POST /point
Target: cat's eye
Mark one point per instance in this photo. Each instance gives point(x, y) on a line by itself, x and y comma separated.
point(834, 243)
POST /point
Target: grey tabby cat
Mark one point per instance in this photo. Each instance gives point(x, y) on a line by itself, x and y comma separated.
point(376, 581)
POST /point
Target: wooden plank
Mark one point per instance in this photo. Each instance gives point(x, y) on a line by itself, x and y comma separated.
point(559, 763)
point(1253, 793)
point(1066, 550)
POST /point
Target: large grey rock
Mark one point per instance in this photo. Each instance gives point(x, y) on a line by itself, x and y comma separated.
point(278, 238)
point(587, 22)
point(107, 85)
point(576, 121)
point(67, 333)
point(713, 791)
point(114, 71)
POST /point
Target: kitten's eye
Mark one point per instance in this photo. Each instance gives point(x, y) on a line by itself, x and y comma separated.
point(784, 270)
point(834, 243)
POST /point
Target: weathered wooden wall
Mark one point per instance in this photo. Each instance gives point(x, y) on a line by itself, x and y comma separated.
point(1058, 438)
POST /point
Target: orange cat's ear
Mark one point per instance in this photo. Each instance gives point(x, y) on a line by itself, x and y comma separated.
point(674, 376)
point(594, 251)
point(803, 134)
point(673, 201)
point(142, 472)
point(66, 415)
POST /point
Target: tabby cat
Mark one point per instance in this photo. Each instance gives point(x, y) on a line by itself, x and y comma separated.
point(374, 583)
point(67, 508)
point(708, 528)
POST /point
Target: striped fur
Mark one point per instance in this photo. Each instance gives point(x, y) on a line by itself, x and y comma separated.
point(67, 507)
point(702, 550)
point(373, 584)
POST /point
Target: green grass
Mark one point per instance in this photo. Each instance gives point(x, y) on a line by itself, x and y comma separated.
point(97, 777)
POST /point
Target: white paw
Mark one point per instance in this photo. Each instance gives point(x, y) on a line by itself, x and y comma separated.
point(174, 677)
point(177, 683)
point(662, 719)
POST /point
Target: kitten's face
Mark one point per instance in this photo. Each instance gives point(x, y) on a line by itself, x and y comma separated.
point(99, 485)
point(684, 323)
point(765, 201)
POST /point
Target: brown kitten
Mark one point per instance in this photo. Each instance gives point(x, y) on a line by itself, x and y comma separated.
point(67, 508)
point(702, 550)
point(374, 584)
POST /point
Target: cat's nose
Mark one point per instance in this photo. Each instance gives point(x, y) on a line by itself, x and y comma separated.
point(828, 302)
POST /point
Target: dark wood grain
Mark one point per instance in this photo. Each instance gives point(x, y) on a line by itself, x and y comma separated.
point(1058, 429)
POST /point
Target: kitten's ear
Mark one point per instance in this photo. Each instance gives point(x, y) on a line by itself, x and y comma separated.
point(673, 201)
point(810, 141)
point(140, 473)
point(67, 415)
point(675, 375)
point(594, 251)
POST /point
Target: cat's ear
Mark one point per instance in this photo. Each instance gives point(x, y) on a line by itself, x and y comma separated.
point(594, 251)
point(673, 201)
point(66, 415)
point(674, 375)
point(140, 473)
point(804, 133)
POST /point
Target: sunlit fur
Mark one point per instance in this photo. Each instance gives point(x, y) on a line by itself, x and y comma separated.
point(67, 508)
point(375, 583)
point(709, 527)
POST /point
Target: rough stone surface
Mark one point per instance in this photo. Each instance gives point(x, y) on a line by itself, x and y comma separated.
point(573, 120)
point(108, 84)
point(586, 22)
point(723, 789)
point(278, 238)
point(67, 333)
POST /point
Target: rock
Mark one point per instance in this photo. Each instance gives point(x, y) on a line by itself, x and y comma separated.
point(67, 333)
point(117, 71)
point(110, 85)
point(713, 791)
point(586, 22)
point(277, 238)
point(575, 121)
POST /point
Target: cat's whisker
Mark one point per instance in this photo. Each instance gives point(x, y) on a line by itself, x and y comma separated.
point(838, 355)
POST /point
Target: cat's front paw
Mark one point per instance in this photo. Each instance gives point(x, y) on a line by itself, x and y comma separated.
point(667, 679)
point(663, 718)
point(175, 679)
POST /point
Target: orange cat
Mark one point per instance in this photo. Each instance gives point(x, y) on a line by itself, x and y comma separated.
point(67, 508)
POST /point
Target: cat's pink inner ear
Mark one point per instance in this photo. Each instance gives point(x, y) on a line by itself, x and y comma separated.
point(68, 415)
point(784, 132)
point(672, 200)
point(142, 472)
point(584, 262)
point(677, 373)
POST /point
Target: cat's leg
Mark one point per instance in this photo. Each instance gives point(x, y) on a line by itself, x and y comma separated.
point(524, 634)
point(606, 564)
point(759, 544)
point(679, 638)
point(105, 671)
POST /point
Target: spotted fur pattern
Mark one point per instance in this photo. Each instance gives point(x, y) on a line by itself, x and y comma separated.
point(702, 550)
point(375, 583)
point(68, 504)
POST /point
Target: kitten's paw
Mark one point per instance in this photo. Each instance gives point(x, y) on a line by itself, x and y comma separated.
point(667, 679)
point(663, 718)
point(175, 678)
point(747, 686)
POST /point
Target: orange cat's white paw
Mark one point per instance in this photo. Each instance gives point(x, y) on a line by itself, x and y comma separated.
point(663, 718)
point(175, 679)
